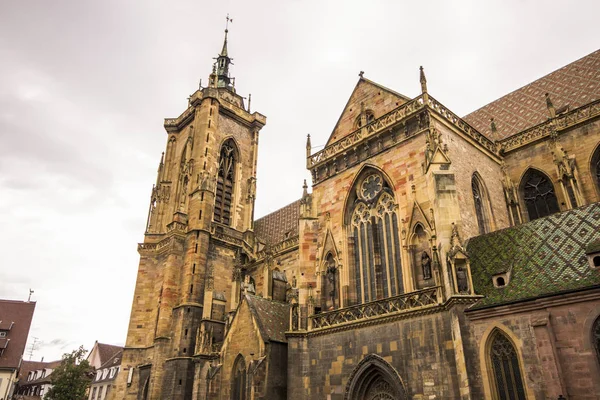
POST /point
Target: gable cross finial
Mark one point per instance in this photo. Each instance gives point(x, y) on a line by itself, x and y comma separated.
point(361, 73)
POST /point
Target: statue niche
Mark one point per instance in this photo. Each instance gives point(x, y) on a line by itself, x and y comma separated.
point(421, 257)
point(330, 298)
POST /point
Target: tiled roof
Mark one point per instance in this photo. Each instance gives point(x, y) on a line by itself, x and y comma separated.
point(574, 85)
point(114, 360)
point(28, 366)
point(272, 317)
point(544, 256)
point(17, 316)
point(272, 228)
point(107, 351)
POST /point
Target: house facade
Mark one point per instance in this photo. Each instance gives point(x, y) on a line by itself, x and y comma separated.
point(15, 321)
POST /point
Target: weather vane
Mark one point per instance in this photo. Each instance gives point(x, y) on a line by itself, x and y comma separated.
point(228, 21)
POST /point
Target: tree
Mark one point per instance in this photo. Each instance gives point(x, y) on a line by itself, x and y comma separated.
point(71, 378)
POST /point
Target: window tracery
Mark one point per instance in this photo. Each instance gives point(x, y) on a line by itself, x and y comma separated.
point(375, 242)
point(538, 194)
point(225, 183)
point(507, 378)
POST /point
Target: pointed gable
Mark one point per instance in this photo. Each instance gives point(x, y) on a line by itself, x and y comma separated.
point(374, 97)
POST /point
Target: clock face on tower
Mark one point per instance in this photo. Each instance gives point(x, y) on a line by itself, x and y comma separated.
point(371, 187)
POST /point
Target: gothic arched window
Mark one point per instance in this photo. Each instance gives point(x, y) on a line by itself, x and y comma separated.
point(538, 194)
point(238, 381)
point(506, 377)
point(596, 337)
point(481, 204)
point(374, 240)
point(595, 167)
point(225, 183)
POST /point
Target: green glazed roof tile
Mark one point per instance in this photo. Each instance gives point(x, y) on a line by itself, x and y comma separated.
point(545, 256)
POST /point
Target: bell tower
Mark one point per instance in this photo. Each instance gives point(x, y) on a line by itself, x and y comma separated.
point(199, 227)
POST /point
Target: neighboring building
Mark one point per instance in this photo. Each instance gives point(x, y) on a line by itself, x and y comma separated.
point(436, 257)
point(15, 321)
point(34, 379)
point(106, 360)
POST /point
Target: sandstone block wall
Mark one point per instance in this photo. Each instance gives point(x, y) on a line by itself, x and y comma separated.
point(554, 342)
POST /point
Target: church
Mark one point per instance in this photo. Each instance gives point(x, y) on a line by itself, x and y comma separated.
point(436, 256)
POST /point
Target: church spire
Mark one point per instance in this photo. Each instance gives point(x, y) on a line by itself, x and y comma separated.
point(223, 62)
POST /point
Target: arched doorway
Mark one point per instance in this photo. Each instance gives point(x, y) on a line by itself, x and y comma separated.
point(374, 379)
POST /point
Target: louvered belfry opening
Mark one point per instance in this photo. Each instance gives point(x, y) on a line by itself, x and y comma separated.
point(225, 183)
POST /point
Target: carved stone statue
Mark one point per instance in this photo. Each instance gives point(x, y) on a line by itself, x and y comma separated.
point(295, 317)
point(426, 265)
point(461, 280)
point(294, 281)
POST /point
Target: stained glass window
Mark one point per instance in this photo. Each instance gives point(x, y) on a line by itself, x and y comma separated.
point(508, 382)
point(225, 182)
point(376, 245)
point(539, 196)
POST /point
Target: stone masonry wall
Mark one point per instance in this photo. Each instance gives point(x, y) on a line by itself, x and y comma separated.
point(420, 349)
point(554, 342)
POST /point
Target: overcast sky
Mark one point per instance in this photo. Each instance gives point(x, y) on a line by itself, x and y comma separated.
point(85, 85)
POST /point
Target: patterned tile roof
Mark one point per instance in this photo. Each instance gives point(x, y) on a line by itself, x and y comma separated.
point(272, 228)
point(574, 85)
point(544, 256)
point(271, 316)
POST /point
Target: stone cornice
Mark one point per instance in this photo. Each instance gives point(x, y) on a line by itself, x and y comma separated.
point(543, 130)
point(232, 237)
point(228, 106)
point(165, 245)
point(404, 122)
point(559, 299)
point(368, 131)
point(280, 248)
point(389, 317)
point(462, 126)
